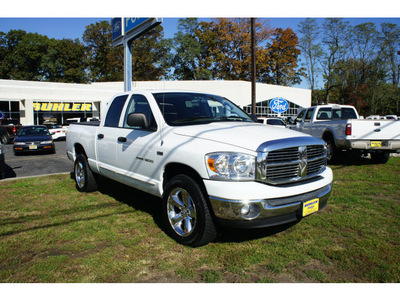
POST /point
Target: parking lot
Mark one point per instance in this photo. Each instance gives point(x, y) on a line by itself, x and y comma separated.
point(36, 164)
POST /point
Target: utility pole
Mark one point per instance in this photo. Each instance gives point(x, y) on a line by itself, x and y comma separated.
point(253, 68)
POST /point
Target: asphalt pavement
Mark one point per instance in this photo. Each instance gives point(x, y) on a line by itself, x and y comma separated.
point(36, 164)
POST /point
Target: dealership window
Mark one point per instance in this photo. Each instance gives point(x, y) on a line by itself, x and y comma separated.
point(263, 109)
point(10, 109)
point(62, 112)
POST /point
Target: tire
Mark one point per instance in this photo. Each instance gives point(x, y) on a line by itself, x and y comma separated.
point(185, 212)
point(331, 151)
point(380, 157)
point(4, 139)
point(83, 175)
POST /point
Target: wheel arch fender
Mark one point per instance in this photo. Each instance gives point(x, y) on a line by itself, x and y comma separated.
point(79, 149)
point(328, 134)
point(172, 169)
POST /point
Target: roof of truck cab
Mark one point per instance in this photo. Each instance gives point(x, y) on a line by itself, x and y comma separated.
point(333, 105)
point(153, 91)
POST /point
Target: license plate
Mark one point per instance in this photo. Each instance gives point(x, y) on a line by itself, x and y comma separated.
point(310, 207)
point(32, 147)
point(376, 144)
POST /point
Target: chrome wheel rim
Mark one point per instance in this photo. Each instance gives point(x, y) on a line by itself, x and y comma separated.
point(79, 175)
point(329, 151)
point(181, 212)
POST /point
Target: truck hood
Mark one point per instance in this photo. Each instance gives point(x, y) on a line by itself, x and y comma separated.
point(245, 135)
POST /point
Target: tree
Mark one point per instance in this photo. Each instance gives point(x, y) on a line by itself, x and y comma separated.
point(188, 52)
point(281, 58)
point(22, 55)
point(311, 50)
point(105, 62)
point(334, 39)
point(151, 56)
point(226, 46)
point(64, 62)
point(389, 51)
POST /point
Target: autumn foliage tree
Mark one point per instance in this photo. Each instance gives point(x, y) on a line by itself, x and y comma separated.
point(227, 43)
point(281, 59)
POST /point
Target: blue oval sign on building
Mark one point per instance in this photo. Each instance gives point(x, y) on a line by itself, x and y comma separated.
point(279, 105)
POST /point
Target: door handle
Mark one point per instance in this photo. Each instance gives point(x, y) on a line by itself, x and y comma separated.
point(122, 139)
point(100, 136)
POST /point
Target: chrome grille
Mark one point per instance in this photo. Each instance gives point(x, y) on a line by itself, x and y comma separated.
point(290, 160)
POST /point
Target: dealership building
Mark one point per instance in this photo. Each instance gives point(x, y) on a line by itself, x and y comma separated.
point(33, 102)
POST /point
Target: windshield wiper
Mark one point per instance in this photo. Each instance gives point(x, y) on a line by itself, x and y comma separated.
point(200, 118)
point(234, 118)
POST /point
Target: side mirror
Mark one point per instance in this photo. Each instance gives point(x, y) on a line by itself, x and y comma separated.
point(138, 120)
point(254, 117)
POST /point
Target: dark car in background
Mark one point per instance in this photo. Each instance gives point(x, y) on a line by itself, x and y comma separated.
point(36, 138)
point(9, 129)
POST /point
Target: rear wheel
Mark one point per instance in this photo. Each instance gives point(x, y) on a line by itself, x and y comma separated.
point(84, 177)
point(186, 216)
point(331, 150)
point(380, 157)
point(4, 139)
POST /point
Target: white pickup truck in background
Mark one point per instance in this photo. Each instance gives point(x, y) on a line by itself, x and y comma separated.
point(206, 158)
point(342, 129)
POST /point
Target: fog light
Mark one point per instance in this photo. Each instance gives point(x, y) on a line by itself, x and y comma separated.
point(250, 211)
point(245, 210)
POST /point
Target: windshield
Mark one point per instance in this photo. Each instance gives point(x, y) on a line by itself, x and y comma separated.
point(191, 108)
point(33, 130)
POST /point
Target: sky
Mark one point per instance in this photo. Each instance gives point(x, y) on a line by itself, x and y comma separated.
point(68, 19)
point(73, 28)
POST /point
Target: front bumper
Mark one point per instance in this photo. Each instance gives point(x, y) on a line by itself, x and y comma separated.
point(266, 212)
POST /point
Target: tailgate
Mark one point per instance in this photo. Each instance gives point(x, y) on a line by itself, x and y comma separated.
point(375, 130)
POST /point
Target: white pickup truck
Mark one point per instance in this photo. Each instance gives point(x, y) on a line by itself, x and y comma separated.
point(206, 158)
point(342, 129)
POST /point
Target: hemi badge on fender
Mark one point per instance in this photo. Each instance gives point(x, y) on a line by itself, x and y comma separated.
point(160, 153)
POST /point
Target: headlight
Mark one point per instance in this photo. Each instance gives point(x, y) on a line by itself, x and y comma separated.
point(46, 142)
point(230, 166)
point(19, 143)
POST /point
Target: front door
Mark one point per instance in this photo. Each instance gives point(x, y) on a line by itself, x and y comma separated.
point(136, 147)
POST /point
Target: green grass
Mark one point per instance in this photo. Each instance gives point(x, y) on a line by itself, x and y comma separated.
point(49, 232)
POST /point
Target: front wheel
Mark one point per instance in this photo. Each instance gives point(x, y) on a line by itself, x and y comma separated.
point(84, 177)
point(186, 215)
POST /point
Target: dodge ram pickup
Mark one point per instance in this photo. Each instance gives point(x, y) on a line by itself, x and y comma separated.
point(342, 129)
point(208, 161)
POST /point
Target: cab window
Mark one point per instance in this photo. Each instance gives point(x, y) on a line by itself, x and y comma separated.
point(114, 112)
point(309, 115)
point(300, 116)
point(324, 113)
point(139, 104)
